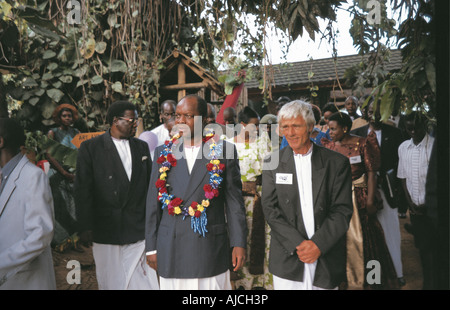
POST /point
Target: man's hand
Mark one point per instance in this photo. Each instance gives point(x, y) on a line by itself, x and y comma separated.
point(85, 238)
point(308, 252)
point(152, 261)
point(238, 258)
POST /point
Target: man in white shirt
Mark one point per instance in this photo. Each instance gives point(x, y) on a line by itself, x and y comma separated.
point(414, 157)
point(113, 172)
point(167, 112)
point(307, 202)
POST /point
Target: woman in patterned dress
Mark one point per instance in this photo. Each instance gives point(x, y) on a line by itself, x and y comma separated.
point(252, 148)
point(365, 240)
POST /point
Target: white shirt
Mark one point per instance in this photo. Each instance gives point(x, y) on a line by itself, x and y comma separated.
point(413, 166)
point(304, 180)
point(123, 148)
point(162, 133)
point(191, 154)
point(378, 134)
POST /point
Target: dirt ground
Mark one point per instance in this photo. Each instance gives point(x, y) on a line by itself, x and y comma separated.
point(410, 256)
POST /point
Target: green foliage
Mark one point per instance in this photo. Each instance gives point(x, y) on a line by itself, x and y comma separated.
point(414, 85)
point(40, 144)
point(116, 51)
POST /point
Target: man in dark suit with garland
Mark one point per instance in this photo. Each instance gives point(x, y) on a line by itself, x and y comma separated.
point(195, 209)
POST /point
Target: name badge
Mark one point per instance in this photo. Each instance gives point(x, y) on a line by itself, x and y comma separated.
point(284, 178)
point(355, 159)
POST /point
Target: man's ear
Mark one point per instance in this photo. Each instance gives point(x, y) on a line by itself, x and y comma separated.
point(2, 142)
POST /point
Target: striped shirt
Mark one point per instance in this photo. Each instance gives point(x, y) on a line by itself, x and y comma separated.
point(413, 166)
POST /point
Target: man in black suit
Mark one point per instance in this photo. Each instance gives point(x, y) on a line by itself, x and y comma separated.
point(307, 202)
point(389, 139)
point(113, 172)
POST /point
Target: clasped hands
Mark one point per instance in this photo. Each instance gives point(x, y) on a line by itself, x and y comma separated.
point(308, 252)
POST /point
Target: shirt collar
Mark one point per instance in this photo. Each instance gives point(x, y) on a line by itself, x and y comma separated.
point(119, 140)
point(306, 154)
point(424, 141)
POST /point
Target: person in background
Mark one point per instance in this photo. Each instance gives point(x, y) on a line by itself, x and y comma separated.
point(327, 110)
point(61, 180)
point(307, 202)
point(211, 117)
point(365, 237)
point(361, 121)
point(268, 120)
point(26, 217)
point(351, 106)
point(389, 139)
point(167, 112)
point(152, 139)
point(414, 158)
point(252, 148)
point(281, 101)
point(113, 174)
point(317, 134)
point(229, 116)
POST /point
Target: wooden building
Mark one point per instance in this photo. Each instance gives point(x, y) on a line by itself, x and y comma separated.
point(183, 76)
point(292, 80)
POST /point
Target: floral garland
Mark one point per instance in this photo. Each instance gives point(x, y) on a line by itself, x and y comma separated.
point(196, 211)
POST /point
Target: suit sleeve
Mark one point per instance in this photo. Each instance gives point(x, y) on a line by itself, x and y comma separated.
point(84, 189)
point(38, 226)
point(235, 207)
point(340, 211)
point(153, 210)
point(281, 229)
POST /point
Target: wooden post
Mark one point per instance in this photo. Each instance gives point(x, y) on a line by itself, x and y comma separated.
point(181, 79)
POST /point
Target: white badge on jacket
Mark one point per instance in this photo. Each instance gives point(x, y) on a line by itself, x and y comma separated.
point(355, 159)
point(284, 178)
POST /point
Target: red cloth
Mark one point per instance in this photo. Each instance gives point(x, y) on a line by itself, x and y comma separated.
point(230, 101)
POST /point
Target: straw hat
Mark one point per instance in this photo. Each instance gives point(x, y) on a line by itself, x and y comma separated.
point(67, 106)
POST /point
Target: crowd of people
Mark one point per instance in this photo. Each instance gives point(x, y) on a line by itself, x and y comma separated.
point(180, 207)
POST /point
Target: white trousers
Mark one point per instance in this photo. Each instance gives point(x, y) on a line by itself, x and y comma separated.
point(307, 284)
point(219, 282)
point(388, 218)
point(123, 267)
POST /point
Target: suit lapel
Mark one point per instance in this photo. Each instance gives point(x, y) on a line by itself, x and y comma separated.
point(291, 194)
point(11, 184)
point(179, 175)
point(116, 162)
point(317, 173)
point(199, 174)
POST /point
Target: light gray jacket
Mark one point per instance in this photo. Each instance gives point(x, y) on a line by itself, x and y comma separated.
point(26, 230)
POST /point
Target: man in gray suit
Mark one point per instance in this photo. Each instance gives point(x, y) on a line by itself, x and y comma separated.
point(307, 202)
point(26, 217)
point(184, 256)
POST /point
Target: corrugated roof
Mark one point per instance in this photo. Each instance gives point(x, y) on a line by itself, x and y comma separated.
point(296, 73)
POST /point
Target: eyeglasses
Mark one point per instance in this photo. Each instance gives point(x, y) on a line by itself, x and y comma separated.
point(130, 121)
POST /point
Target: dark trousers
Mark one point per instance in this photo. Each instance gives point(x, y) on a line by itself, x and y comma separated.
point(425, 238)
